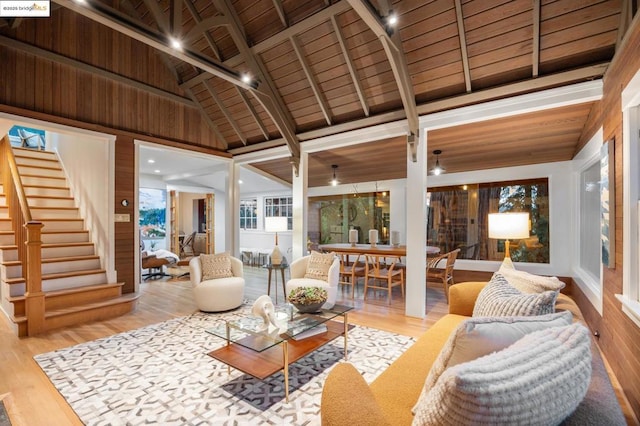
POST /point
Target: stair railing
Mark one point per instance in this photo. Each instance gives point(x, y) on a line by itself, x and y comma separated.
point(28, 231)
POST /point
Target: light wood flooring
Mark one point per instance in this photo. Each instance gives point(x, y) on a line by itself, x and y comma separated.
point(37, 402)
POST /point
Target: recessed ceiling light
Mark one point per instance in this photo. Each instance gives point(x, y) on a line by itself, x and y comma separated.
point(240, 181)
point(151, 161)
point(157, 171)
point(246, 78)
point(392, 19)
point(176, 44)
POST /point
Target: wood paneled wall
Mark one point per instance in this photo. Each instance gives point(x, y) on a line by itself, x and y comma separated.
point(619, 336)
point(44, 85)
point(125, 231)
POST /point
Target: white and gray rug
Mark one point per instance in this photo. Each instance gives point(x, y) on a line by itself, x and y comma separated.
point(162, 374)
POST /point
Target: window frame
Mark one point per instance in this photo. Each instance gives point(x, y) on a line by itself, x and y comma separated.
point(269, 210)
point(253, 218)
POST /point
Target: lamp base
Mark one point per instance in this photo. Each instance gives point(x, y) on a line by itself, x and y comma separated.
point(276, 256)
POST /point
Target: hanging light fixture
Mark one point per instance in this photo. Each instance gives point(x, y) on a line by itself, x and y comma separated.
point(334, 181)
point(437, 170)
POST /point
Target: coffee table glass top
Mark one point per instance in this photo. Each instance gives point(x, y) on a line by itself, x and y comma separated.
point(249, 331)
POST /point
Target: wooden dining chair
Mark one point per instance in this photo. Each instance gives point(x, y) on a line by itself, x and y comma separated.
point(443, 274)
point(377, 270)
point(350, 271)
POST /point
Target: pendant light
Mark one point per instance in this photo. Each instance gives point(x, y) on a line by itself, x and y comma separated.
point(334, 181)
point(437, 170)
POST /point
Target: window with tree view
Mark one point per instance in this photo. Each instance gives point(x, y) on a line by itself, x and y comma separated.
point(458, 215)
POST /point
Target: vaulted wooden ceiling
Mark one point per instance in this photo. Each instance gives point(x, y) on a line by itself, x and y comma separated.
point(320, 67)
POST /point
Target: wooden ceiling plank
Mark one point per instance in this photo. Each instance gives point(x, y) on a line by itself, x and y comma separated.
point(158, 16)
point(352, 69)
point(317, 91)
point(463, 46)
point(626, 16)
point(536, 38)
point(283, 17)
point(105, 15)
point(224, 111)
point(176, 18)
point(204, 114)
point(60, 59)
point(253, 113)
point(267, 94)
point(393, 48)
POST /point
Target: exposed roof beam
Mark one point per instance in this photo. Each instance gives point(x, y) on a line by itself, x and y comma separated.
point(98, 12)
point(46, 54)
point(463, 46)
point(202, 25)
point(626, 16)
point(350, 65)
point(269, 176)
point(176, 17)
point(393, 48)
point(297, 28)
point(536, 38)
point(278, 6)
point(317, 91)
point(195, 173)
point(16, 23)
point(267, 95)
point(158, 15)
point(225, 112)
point(253, 112)
point(196, 17)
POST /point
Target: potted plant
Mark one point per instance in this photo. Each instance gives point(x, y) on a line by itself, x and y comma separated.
point(308, 299)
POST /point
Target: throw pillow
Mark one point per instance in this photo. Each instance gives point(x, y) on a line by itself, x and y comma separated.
point(318, 265)
point(498, 298)
point(481, 336)
point(215, 266)
point(530, 283)
point(541, 379)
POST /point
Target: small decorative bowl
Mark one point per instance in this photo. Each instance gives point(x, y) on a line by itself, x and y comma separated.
point(310, 308)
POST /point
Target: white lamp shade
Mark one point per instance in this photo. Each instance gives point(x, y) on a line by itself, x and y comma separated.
point(275, 223)
point(508, 225)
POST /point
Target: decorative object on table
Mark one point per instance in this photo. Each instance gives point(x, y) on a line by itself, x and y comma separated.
point(263, 308)
point(275, 224)
point(308, 299)
point(395, 238)
point(373, 237)
point(508, 226)
point(353, 237)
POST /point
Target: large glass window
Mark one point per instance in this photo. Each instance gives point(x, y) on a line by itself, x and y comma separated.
point(590, 220)
point(249, 214)
point(153, 214)
point(281, 207)
point(457, 218)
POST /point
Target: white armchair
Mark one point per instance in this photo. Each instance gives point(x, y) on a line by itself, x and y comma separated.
point(220, 294)
point(298, 269)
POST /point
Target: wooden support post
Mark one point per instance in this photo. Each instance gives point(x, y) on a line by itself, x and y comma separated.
point(34, 297)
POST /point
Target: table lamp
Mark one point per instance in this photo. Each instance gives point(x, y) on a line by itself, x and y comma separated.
point(275, 224)
point(508, 225)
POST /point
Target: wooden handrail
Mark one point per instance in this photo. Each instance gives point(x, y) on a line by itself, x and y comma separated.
point(10, 160)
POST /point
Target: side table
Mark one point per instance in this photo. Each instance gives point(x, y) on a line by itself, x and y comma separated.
point(274, 268)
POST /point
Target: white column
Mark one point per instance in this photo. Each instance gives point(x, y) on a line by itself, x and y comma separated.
point(232, 211)
point(416, 231)
point(300, 206)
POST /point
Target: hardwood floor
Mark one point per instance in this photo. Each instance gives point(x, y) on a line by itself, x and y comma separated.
point(37, 401)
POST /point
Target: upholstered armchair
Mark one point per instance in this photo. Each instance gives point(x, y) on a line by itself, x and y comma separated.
point(298, 270)
point(218, 294)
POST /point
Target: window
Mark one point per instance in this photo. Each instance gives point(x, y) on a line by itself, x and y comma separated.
point(153, 213)
point(457, 218)
point(279, 206)
point(249, 214)
point(589, 235)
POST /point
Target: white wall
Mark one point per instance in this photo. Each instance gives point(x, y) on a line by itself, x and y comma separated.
point(88, 164)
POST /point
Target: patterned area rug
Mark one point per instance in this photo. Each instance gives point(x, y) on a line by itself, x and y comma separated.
point(162, 374)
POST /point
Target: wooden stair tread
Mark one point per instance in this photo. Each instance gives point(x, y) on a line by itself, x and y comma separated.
point(9, 247)
point(44, 187)
point(51, 208)
point(17, 149)
point(41, 176)
point(39, 167)
point(59, 219)
point(70, 258)
point(49, 197)
point(70, 274)
point(73, 231)
point(129, 297)
point(6, 232)
point(11, 263)
point(82, 289)
point(54, 245)
point(12, 281)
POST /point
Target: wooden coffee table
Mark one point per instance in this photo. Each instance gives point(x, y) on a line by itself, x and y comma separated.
point(262, 353)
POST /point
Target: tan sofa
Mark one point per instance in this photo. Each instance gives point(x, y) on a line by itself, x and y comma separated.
point(348, 400)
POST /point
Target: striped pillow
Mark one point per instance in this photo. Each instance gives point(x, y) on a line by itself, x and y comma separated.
point(215, 266)
point(498, 298)
point(541, 379)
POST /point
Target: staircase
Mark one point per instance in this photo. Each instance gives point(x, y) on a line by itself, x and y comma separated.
point(75, 286)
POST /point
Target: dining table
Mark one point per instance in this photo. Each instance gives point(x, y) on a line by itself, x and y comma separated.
point(378, 249)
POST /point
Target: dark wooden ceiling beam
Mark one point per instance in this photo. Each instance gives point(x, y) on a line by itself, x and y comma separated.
point(283, 18)
point(98, 12)
point(626, 16)
point(463, 46)
point(315, 87)
point(158, 15)
point(253, 113)
point(352, 69)
point(267, 94)
point(203, 25)
point(176, 17)
point(536, 38)
point(63, 60)
point(393, 48)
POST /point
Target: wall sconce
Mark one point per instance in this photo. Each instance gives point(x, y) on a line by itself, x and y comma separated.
point(437, 170)
point(334, 181)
